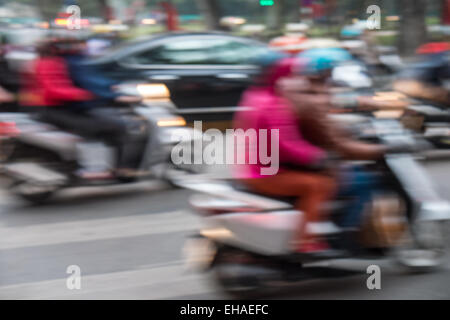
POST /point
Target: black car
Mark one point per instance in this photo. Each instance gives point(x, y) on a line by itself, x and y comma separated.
point(206, 73)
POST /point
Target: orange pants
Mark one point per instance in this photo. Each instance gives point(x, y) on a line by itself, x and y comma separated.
point(312, 190)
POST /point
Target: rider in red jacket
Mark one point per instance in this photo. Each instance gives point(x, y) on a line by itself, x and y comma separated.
point(72, 108)
point(50, 84)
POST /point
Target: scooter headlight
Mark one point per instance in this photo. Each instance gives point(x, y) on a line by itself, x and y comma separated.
point(153, 91)
point(171, 122)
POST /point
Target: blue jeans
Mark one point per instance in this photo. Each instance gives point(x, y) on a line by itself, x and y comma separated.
point(358, 185)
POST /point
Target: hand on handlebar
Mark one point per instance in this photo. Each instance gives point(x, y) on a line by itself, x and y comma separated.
point(402, 148)
point(6, 96)
point(326, 162)
point(417, 146)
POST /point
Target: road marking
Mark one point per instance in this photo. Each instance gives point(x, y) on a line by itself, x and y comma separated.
point(152, 283)
point(96, 229)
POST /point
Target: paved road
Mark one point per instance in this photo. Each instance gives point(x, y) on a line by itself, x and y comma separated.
point(128, 244)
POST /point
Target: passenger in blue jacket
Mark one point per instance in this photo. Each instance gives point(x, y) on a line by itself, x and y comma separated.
point(102, 107)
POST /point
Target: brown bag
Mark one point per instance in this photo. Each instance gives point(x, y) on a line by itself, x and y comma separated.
point(386, 223)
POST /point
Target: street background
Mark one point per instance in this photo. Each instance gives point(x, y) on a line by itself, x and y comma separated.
point(128, 243)
point(128, 239)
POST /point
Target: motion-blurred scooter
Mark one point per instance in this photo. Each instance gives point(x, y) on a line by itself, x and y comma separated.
point(41, 159)
point(245, 237)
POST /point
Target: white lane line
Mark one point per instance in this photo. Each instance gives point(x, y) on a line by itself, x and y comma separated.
point(161, 282)
point(96, 229)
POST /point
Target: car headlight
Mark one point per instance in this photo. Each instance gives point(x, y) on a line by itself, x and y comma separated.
point(153, 91)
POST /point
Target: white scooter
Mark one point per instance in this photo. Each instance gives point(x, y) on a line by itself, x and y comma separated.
point(245, 238)
point(41, 159)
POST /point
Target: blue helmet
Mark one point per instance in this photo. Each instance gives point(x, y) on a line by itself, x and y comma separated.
point(268, 58)
point(351, 32)
point(320, 60)
point(265, 61)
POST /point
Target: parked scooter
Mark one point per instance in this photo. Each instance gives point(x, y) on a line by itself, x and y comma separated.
point(244, 241)
point(41, 159)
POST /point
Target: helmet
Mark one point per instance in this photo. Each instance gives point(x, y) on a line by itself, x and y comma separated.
point(319, 61)
point(59, 44)
point(273, 66)
point(268, 58)
point(433, 48)
point(351, 32)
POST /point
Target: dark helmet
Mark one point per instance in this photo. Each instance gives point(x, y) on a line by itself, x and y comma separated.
point(60, 44)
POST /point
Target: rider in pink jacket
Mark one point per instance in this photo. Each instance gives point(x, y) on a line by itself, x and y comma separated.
point(268, 110)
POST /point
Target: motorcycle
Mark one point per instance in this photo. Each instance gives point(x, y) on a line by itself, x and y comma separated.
point(245, 236)
point(432, 121)
point(428, 119)
point(40, 159)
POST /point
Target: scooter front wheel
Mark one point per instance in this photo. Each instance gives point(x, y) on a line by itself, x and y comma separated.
point(33, 193)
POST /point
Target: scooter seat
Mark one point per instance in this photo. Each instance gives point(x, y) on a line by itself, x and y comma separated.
point(225, 190)
point(61, 142)
point(243, 188)
point(333, 207)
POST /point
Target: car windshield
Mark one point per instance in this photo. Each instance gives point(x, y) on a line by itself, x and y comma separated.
point(213, 51)
point(127, 44)
point(189, 50)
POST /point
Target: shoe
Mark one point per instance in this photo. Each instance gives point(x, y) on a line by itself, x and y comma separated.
point(94, 175)
point(131, 173)
point(319, 250)
point(313, 246)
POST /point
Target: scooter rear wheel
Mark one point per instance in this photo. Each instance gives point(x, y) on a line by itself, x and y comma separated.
point(240, 276)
